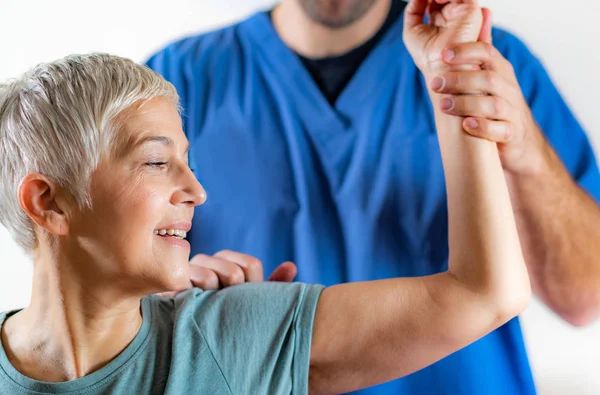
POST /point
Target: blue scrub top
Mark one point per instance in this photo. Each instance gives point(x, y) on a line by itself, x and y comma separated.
point(352, 192)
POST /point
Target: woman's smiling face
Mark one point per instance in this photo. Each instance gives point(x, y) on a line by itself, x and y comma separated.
point(143, 198)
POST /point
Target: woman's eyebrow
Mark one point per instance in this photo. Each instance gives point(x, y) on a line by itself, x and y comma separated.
point(155, 139)
point(159, 139)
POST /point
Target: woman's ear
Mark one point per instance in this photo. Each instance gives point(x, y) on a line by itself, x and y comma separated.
point(41, 201)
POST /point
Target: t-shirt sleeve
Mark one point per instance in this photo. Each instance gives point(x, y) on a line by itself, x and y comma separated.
point(552, 114)
point(260, 335)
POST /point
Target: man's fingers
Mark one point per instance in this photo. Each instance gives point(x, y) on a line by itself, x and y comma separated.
point(485, 82)
point(229, 273)
point(204, 278)
point(496, 131)
point(477, 53)
point(489, 107)
point(251, 266)
point(227, 268)
point(286, 272)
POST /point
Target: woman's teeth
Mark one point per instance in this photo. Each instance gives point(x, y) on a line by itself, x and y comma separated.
point(177, 233)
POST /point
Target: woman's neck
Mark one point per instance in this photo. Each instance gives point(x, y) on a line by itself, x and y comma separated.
point(72, 327)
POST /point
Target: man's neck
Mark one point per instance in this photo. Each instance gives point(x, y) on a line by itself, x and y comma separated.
point(71, 328)
point(313, 40)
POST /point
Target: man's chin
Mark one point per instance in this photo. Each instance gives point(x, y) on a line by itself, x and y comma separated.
point(336, 14)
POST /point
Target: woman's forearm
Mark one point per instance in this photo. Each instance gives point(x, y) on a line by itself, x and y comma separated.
point(485, 252)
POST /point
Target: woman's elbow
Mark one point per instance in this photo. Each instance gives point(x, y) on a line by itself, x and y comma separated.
point(511, 306)
point(504, 295)
point(511, 299)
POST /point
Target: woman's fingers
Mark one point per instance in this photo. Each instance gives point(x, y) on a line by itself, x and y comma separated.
point(486, 29)
point(414, 13)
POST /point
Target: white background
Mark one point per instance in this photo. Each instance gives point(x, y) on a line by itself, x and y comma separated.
point(563, 34)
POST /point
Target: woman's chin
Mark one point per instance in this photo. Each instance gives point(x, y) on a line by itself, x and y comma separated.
point(178, 279)
point(175, 277)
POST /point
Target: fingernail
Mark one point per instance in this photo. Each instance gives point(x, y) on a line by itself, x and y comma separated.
point(472, 123)
point(438, 83)
point(448, 54)
point(446, 103)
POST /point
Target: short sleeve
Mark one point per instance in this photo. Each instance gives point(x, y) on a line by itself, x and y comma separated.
point(260, 335)
point(552, 114)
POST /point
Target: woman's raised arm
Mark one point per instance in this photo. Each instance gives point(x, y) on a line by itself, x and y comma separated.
point(368, 333)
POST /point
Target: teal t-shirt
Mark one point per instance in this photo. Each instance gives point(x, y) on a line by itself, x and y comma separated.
point(249, 339)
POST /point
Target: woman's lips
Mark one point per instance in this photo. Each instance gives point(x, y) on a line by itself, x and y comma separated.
point(175, 241)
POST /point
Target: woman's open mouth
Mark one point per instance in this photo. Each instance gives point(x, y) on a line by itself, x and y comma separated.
point(175, 233)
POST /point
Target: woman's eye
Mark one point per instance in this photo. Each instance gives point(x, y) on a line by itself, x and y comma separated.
point(157, 165)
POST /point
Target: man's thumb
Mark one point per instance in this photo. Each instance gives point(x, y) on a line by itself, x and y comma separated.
point(286, 272)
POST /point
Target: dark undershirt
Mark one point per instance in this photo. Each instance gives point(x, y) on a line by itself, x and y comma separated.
point(332, 74)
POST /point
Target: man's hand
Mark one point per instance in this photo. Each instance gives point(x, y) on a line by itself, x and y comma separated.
point(492, 102)
point(227, 268)
point(450, 22)
point(482, 87)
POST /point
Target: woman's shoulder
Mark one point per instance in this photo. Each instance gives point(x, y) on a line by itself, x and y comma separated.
point(239, 301)
point(233, 303)
point(264, 327)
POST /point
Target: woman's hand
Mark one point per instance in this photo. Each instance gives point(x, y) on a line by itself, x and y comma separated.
point(227, 268)
point(451, 22)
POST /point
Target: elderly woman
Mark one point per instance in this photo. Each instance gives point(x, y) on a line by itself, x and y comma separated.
point(95, 184)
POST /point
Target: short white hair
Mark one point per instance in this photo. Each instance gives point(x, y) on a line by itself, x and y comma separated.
point(57, 120)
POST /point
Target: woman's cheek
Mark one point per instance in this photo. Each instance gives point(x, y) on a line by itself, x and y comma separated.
point(140, 197)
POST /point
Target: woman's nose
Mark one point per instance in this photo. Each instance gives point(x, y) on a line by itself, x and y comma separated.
point(201, 195)
point(191, 191)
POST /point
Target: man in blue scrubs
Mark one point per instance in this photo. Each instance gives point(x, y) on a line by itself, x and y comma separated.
point(313, 135)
